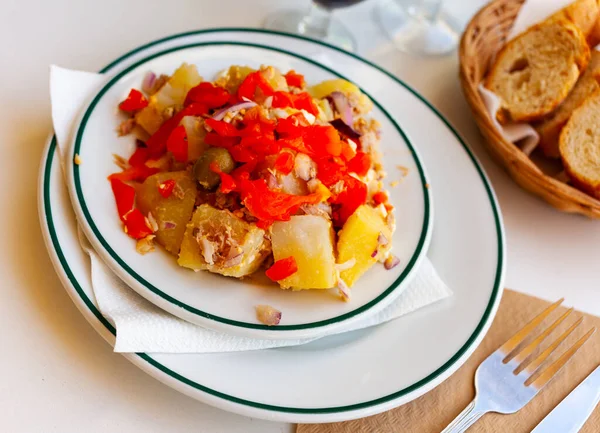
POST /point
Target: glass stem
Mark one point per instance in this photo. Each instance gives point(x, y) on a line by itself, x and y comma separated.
point(316, 23)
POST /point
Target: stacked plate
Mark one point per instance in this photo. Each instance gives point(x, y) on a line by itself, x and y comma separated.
point(338, 377)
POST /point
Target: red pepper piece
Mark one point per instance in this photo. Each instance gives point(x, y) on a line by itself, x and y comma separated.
point(157, 143)
point(284, 162)
point(254, 87)
point(207, 94)
point(139, 157)
point(134, 101)
point(353, 195)
point(282, 269)
point(166, 188)
point(136, 226)
point(137, 173)
point(360, 164)
point(177, 144)
point(347, 151)
point(222, 128)
point(227, 182)
point(124, 196)
point(380, 197)
point(292, 78)
point(299, 101)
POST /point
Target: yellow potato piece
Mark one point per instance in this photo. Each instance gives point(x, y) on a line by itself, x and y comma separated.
point(172, 213)
point(173, 93)
point(327, 87)
point(358, 240)
point(309, 239)
point(214, 223)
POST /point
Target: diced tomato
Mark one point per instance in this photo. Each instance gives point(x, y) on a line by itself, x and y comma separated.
point(208, 94)
point(360, 164)
point(166, 188)
point(380, 197)
point(134, 101)
point(292, 78)
point(139, 157)
point(177, 144)
point(137, 173)
point(124, 196)
point(284, 162)
point(282, 269)
point(136, 226)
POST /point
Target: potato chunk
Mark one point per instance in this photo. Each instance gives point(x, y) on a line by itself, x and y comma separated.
point(171, 213)
point(173, 93)
point(309, 239)
point(329, 86)
point(218, 241)
point(358, 241)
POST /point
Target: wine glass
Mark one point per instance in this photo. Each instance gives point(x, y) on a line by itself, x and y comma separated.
point(417, 26)
point(316, 23)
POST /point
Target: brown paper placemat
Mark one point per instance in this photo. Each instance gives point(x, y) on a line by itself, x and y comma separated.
point(434, 410)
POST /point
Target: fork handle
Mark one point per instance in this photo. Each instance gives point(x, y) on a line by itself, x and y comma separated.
point(465, 419)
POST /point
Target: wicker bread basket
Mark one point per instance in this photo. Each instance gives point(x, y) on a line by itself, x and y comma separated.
point(484, 36)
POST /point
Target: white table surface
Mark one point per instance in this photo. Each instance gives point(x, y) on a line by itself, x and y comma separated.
point(57, 374)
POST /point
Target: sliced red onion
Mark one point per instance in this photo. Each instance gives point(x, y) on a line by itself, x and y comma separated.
point(233, 261)
point(126, 126)
point(374, 254)
point(272, 182)
point(346, 265)
point(342, 106)
point(219, 115)
point(168, 225)
point(148, 82)
point(344, 129)
point(391, 262)
point(268, 315)
point(381, 239)
point(343, 290)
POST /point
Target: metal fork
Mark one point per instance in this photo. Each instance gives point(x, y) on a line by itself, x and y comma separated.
point(508, 379)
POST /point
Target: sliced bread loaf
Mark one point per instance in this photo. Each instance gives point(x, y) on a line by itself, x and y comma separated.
point(583, 13)
point(536, 71)
point(580, 146)
point(550, 126)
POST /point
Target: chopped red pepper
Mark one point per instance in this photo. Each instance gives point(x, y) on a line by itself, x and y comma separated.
point(284, 162)
point(227, 182)
point(347, 151)
point(292, 78)
point(380, 197)
point(166, 188)
point(139, 157)
point(177, 144)
point(255, 87)
point(157, 143)
point(136, 226)
point(222, 128)
point(137, 173)
point(207, 94)
point(360, 164)
point(353, 195)
point(134, 101)
point(124, 196)
point(282, 269)
point(299, 101)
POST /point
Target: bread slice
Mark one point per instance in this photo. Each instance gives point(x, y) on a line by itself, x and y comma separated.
point(536, 71)
point(583, 13)
point(550, 126)
point(580, 146)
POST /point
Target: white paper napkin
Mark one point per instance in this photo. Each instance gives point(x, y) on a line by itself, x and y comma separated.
point(532, 12)
point(143, 327)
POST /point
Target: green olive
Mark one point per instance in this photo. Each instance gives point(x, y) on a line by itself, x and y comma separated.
point(207, 178)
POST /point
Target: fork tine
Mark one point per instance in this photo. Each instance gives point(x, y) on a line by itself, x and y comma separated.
point(555, 367)
point(534, 365)
point(514, 341)
point(528, 350)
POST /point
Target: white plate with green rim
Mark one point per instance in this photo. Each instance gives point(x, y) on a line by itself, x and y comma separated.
point(354, 374)
point(210, 300)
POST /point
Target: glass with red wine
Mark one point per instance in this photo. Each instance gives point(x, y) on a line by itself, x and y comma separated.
point(317, 23)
